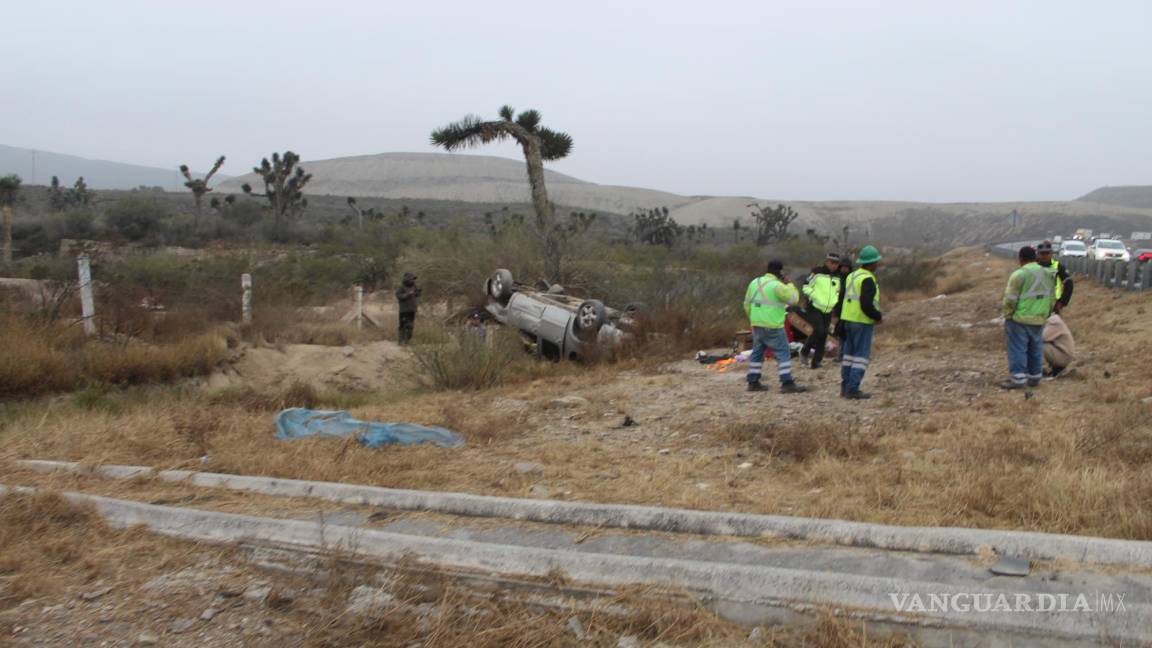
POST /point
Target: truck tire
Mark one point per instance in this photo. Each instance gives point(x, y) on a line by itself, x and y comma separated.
point(501, 286)
point(590, 316)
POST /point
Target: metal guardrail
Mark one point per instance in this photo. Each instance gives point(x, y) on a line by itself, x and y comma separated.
point(1132, 275)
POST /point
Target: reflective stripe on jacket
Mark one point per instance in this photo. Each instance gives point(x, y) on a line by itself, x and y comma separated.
point(823, 290)
point(767, 300)
point(1030, 295)
point(852, 311)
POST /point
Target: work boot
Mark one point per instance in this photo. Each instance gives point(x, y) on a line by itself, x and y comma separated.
point(756, 387)
point(815, 365)
point(1008, 384)
point(857, 395)
point(1033, 382)
point(792, 388)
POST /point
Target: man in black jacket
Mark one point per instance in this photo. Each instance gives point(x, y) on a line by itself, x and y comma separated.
point(408, 300)
point(823, 292)
point(1059, 274)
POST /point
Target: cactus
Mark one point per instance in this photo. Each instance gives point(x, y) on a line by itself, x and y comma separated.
point(284, 182)
point(199, 186)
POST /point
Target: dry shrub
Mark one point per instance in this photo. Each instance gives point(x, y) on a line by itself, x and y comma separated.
point(800, 442)
point(53, 357)
point(139, 363)
point(35, 360)
point(482, 428)
point(1116, 437)
point(42, 535)
point(953, 284)
point(469, 362)
point(832, 631)
point(297, 394)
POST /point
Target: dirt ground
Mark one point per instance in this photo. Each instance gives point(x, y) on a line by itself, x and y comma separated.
point(939, 444)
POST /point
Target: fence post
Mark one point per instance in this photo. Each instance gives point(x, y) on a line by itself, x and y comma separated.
point(1132, 275)
point(87, 303)
point(1146, 281)
point(359, 306)
point(246, 299)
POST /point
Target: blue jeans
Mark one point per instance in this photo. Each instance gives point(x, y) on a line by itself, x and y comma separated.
point(776, 340)
point(1025, 351)
point(857, 354)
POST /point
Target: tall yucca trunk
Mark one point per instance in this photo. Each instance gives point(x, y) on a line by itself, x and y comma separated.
point(545, 215)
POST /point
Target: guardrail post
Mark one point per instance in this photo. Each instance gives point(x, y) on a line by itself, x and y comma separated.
point(246, 299)
point(87, 303)
point(359, 306)
point(1132, 275)
point(1146, 281)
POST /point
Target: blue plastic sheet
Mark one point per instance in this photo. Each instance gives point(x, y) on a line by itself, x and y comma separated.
point(298, 422)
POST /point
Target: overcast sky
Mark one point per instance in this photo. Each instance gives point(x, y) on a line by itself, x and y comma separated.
point(911, 100)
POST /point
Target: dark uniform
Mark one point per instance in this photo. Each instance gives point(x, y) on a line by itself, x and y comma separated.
point(408, 297)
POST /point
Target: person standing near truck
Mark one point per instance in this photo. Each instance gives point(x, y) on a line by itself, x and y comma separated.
point(1028, 300)
point(766, 303)
point(823, 293)
point(408, 302)
point(860, 314)
point(1057, 273)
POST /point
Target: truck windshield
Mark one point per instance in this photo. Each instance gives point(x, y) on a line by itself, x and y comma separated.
point(1074, 246)
point(1110, 245)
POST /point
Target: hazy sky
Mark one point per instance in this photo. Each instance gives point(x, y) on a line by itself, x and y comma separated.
point(913, 100)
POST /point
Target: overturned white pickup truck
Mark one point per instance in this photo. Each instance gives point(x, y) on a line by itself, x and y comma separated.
point(560, 326)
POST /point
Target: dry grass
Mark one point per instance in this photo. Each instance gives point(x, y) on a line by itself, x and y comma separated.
point(1073, 459)
point(437, 613)
point(47, 545)
point(38, 358)
point(800, 442)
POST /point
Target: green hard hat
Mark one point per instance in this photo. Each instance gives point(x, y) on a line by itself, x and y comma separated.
point(869, 255)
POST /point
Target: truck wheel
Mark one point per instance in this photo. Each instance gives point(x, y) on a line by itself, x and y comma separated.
point(500, 286)
point(590, 316)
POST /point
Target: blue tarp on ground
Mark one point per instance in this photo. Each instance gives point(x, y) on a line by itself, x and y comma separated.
point(298, 422)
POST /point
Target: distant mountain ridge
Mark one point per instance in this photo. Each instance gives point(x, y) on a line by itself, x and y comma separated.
point(1129, 196)
point(488, 179)
point(482, 179)
point(37, 167)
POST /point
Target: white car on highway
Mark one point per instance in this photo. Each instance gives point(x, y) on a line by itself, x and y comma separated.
point(1109, 250)
point(1073, 249)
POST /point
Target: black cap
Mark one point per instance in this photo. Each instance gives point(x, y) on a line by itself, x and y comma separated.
point(1045, 246)
point(775, 266)
point(1027, 253)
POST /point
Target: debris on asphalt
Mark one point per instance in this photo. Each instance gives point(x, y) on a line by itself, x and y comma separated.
point(1011, 566)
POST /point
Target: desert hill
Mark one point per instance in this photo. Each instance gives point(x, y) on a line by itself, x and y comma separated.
point(488, 179)
point(37, 168)
point(1131, 196)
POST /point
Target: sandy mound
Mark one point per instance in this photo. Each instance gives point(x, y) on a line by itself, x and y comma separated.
point(376, 366)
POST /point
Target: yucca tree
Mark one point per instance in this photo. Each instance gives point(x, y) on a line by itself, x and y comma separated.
point(538, 144)
point(9, 193)
point(199, 186)
point(284, 182)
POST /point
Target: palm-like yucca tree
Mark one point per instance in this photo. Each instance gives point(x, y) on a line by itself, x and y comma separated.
point(199, 186)
point(538, 144)
point(9, 192)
